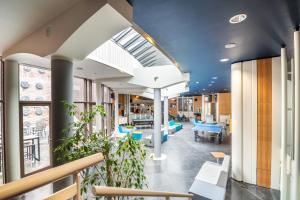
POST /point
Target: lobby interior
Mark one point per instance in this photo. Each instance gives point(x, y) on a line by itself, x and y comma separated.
point(130, 99)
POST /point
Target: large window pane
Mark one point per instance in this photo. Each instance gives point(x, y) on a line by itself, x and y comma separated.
point(36, 137)
point(290, 110)
point(79, 90)
point(94, 99)
point(35, 84)
point(1, 146)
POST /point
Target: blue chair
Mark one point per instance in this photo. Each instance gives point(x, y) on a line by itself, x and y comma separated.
point(123, 131)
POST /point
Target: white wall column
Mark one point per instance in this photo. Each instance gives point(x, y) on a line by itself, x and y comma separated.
point(283, 182)
point(116, 111)
point(11, 115)
point(128, 108)
point(203, 111)
point(99, 101)
point(166, 113)
point(157, 123)
point(236, 108)
point(295, 191)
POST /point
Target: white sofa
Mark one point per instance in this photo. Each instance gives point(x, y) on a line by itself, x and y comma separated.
point(211, 180)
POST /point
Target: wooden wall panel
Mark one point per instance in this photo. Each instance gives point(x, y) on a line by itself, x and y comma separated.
point(224, 103)
point(264, 122)
point(197, 103)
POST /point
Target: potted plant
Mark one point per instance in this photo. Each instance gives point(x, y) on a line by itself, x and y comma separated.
point(123, 164)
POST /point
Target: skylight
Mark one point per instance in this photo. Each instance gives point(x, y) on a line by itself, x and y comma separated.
point(140, 48)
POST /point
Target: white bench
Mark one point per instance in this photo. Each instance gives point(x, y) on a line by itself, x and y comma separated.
point(211, 180)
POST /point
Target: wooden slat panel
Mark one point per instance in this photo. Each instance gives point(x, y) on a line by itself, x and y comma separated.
point(224, 103)
point(264, 122)
point(198, 103)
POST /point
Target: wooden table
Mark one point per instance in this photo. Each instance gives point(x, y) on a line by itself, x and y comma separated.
point(218, 155)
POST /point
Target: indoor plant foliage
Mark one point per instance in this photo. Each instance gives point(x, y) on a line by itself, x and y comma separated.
point(123, 164)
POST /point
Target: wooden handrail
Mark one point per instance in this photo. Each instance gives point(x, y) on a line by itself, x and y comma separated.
point(115, 191)
point(34, 181)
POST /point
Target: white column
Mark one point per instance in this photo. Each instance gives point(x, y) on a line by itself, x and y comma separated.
point(203, 112)
point(99, 101)
point(295, 192)
point(157, 123)
point(236, 108)
point(166, 114)
point(128, 108)
point(11, 116)
point(283, 182)
point(116, 112)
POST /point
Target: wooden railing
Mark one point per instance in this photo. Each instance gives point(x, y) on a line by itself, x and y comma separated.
point(37, 180)
point(114, 192)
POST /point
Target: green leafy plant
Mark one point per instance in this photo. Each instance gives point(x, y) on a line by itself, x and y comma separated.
point(123, 164)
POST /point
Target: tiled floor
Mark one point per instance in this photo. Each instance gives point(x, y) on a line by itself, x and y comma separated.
point(184, 159)
point(177, 172)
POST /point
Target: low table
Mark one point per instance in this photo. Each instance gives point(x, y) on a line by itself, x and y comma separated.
point(218, 155)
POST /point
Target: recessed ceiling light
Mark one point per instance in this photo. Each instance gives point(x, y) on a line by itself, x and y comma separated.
point(197, 82)
point(224, 60)
point(215, 77)
point(79, 68)
point(230, 45)
point(209, 84)
point(237, 18)
point(203, 89)
point(212, 82)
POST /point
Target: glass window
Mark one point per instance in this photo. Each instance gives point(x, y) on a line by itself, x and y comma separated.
point(36, 137)
point(1, 146)
point(94, 97)
point(79, 90)
point(185, 104)
point(2, 174)
point(290, 110)
point(35, 83)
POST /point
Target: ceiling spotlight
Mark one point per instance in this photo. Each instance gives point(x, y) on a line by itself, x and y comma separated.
point(212, 82)
point(237, 18)
point(224, 60)
point(203, 89)
point(215, 77)
point(230, 45)
point(197, 82)
point(209, 84)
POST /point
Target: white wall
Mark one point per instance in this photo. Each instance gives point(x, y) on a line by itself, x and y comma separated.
point(276, 123)
point(244, 121)
point(249, 79)
point(236, 107)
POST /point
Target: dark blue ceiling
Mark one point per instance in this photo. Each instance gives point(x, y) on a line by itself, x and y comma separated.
point(194, 32)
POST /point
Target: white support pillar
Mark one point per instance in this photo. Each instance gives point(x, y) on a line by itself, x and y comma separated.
point(11, 116)
point(128, 108)
point(157, 123)
point(166, 114)
point(283, 182)
point(99, 101)
point(236, 111)
point(295, 192)
point(116, 112)
point(203, 111)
